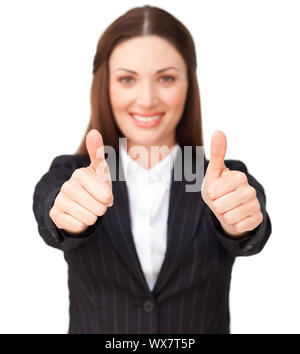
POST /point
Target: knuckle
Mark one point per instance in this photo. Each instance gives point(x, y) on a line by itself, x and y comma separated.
point(210, 191)
point(77, 174)
point(52, 213)
point(217, 206)
point(81, 228)
point(244, 177)
point(252, 192)
point(65, 187)
point(59, 201)
point(102, 210)
point(257, 205)
point(227, 218)
point(238, 228)
point(58, 198)
point(106, 198)
point(241, 177)
point(91, 220)
point(107, 194)
point(78, 227)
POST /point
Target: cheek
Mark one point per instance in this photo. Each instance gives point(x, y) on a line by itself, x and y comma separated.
point(119, 98)
point(174, 98)
point(175, 101)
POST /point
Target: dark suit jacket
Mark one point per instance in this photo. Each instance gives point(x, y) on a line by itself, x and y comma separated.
point(107, 289)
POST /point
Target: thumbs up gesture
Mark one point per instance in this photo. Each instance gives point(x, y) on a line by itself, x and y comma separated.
point(87, 194)
point(228, 194)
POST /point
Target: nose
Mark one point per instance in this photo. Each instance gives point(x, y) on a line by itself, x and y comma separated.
point(146, 95)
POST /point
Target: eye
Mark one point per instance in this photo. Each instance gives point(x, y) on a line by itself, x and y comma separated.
point(127, 79)
point(169, 78)
point(123, 78)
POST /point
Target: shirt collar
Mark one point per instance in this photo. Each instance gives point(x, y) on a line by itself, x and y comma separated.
point(161, 172)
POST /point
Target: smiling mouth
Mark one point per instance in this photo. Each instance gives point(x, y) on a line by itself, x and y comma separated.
point(147, 121)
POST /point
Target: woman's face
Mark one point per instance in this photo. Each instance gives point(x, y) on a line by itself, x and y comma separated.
point(148, 87)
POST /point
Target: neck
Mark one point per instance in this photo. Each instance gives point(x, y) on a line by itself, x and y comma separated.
point(149, 155)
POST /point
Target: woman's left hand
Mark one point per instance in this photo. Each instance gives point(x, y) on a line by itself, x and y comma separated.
point(228, 194)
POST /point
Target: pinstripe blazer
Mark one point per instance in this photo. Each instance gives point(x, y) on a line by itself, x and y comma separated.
point(108, 292)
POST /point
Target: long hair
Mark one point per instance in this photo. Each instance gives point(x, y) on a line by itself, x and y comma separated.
point(143, 21)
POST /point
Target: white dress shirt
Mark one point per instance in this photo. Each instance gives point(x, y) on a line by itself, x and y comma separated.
point(149, 193)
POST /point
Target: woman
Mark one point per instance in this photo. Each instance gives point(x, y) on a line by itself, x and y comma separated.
point(147, 256)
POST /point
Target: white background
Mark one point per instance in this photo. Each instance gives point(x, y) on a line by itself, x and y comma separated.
point(249, 77)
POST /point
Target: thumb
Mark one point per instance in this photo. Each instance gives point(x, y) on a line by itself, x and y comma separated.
point(225, 171)
point(95, 148)
point(218, 149)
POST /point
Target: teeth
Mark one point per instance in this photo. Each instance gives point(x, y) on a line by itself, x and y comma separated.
point(146, 119)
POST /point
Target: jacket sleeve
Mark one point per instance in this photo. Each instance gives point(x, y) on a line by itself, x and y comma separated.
point(255, 240)
point(45, 193)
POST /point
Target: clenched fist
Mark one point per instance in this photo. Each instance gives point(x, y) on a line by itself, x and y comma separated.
point(228, 194)
point(87, 194)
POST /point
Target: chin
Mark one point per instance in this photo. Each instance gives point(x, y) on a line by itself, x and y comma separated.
point(145, 142)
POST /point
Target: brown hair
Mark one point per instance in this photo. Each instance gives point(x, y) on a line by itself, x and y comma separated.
point(143, 21)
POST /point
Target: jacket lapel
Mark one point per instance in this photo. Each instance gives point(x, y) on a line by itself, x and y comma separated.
point(117, 222)
point(185, 211)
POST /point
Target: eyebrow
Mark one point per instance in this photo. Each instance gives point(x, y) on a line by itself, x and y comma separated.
point(159, 71)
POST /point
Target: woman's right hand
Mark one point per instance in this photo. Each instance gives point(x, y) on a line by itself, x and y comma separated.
point(87, 194)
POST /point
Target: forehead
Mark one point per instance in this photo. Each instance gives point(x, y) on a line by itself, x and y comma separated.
point(145, 52)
